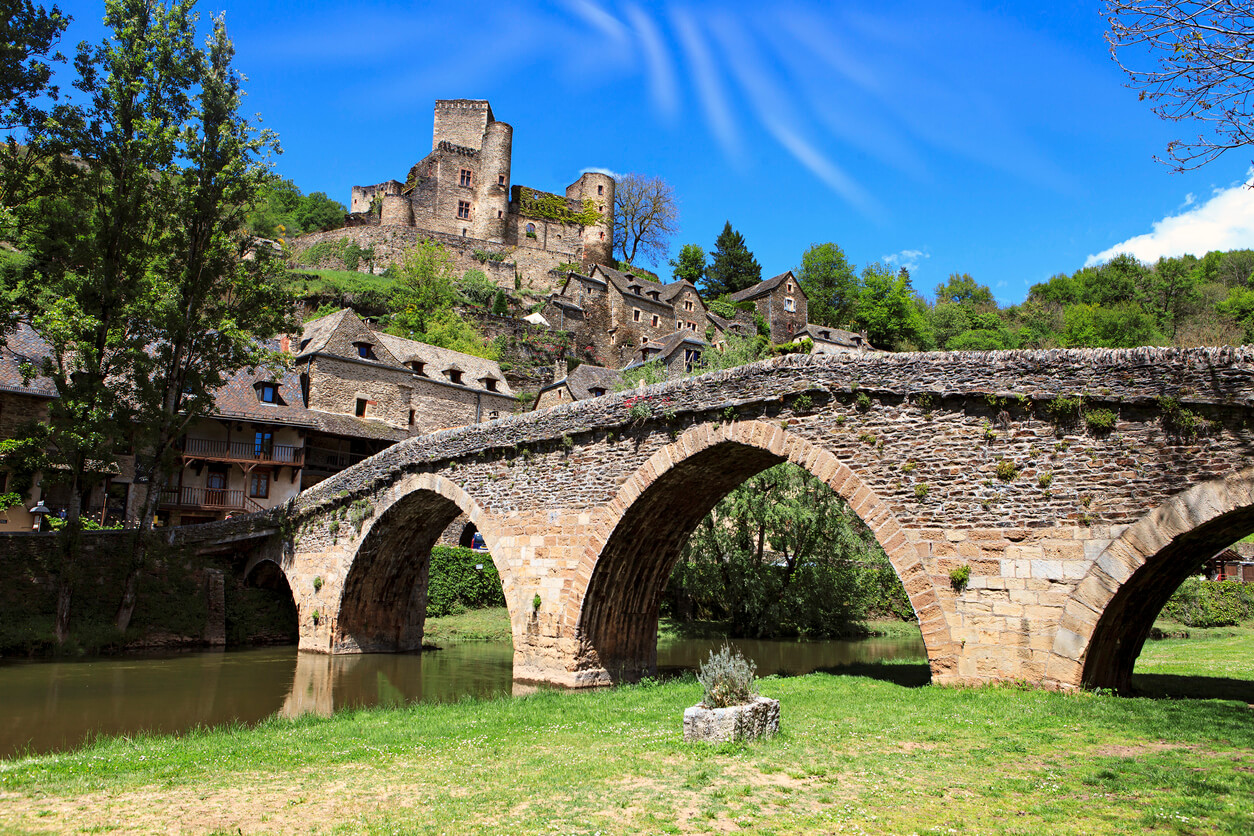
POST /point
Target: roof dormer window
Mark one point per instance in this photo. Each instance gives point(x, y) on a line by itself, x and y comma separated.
point(268, 392)
point(596, 391)
point(653, 294)
point(418, 367)
point(454, 375)
point(489, 383)
point(365, 351)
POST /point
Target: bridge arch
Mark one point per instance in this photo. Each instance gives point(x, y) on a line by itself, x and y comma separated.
point(1110, 613)
point(660, 505)
point(384, 598)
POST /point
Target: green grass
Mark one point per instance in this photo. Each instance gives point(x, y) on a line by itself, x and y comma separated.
point(857, 754)
point(490, 624)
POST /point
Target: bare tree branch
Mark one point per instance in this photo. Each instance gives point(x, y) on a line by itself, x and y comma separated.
point(645, 217)
point(1191, 59)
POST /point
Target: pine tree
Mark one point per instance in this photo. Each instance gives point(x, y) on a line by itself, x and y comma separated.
point(732, 266)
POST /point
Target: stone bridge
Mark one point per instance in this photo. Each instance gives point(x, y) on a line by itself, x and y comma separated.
point(1080, 487)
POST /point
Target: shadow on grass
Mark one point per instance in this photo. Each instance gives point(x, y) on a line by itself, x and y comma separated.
point(905, 674)
point(1175, 686)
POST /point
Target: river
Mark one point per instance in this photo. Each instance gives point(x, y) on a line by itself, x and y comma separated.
point(53, 706)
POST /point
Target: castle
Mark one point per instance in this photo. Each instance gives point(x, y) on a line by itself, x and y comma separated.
point(461, 194)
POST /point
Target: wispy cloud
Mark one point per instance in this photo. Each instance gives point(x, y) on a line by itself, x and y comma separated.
point(597, 170)
point(1223, 222)
point(662, 84)
point(910, 259)
point(705, 75)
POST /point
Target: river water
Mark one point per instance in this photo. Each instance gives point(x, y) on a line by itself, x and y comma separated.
point(52, 706)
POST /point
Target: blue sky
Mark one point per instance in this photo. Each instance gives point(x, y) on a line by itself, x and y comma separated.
point(995, 139)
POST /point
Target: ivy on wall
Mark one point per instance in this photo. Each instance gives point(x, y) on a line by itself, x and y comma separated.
point(551, 207)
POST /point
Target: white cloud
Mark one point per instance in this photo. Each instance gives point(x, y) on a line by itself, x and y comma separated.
point(606, 171)
point(1224, 222)
point(910, 259)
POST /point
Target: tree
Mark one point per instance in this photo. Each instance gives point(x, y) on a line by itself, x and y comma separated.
point(690, 265)
point(28, 38)
point(830, 284)
point(964, 290)
point(1191, 59)
point(423, 299)
point(890, 311)
point(645, 217)
point(213, 296)
point(732, 266)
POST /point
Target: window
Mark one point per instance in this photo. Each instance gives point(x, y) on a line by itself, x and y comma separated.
point(268, 393)
point(259, 484)
point(790, 304)
point(500, 213)
point(788, 288)
point(500, 179)
point(263, 443)
point(692, 356)
point(361, 408)
point(600, 189)
point(365, 350)
point(654, 320)
point(688, 304)
point(418, 367)
point(455, 375)
point(463, 209)
point(679, 324)
point(596, 391)
point(635, 314)
point(411, 417)
point(531, 230)
point(692, 326)
point(489, 383)
point(465, 181)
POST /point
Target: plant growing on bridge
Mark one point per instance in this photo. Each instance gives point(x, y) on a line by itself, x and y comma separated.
point(1099, 420)
point(921, 491)
point(960, 577)
point(728, 678)
point(535, 602)
point(1063, 411)
point(317, 583)
point(1045, 478)
point(802, 404)
point(1007, 470)
point(1180, 421)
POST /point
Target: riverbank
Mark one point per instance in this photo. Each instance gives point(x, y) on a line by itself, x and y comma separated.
point(857, 754)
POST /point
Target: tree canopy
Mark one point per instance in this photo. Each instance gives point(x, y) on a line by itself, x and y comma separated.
point(732, 266)
point(830, 284)
point(646, 216)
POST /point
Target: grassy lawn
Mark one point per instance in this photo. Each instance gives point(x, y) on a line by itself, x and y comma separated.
point(857, 754)
point(486, 625)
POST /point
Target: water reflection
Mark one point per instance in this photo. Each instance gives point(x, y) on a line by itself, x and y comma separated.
point(48, 706)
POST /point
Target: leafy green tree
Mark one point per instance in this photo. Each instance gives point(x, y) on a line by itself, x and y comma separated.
point(1122, 325)
point(29, 34)
point(423, 301)
point(891, 312)
point(830, 285)
point(780, 555)
point(964, 290)
point(732, 266)
point(282, 211)
point(689, 266)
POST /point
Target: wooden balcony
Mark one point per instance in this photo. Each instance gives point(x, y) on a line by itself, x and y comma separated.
point(332, 461)
point(241, 452)
point(207, 499)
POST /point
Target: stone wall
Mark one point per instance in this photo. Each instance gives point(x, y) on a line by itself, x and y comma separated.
point(16, 410)
point(952, 459)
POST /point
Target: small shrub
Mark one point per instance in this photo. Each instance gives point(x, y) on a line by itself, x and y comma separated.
point(639, 411)
point(862, 401)
point(906, 467)
point(317, 583)
point(1202, 603)
point(535, 602)
point(1100, 420)
point(1180, 421)
point(729, 414)
point(1007, 470)
point(989, 433)
point(802, 404)
point(1062, 410)
point(960, 577)
point(1045, 478)
point(728, 679)
point(921, 491)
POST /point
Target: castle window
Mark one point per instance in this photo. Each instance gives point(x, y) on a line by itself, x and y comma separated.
point(360, 412)
point(365, 351)
point(500, 213)
point(465, 181)
point(600, 189)
point(790, 304)
point(411, 417)
point(635, 315)
point(602, 236)
point(655, 320)
point(500, 180)
point(531, 230)
point(463, 209)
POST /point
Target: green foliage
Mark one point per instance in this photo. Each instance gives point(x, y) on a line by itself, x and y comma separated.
point(475, 287)
point(536, 602)
point(483, 256)
point(1202, 603)
point(281, 211)
point(1062, 410)
point(1007, 470)
point(862, 401)
point(802, 404)
point(732, 266)
point(1099, 420)
point(830, 284)
point(921, 491)
point(960, 577)
point(423, 299)
point(455, 585)
point(1180, 421)
point(891, 312)
point(500, 305)
point(645, 373)
point(782, 555)
point(689, 266)
point(727, 679)
point(1045, 478)
point(533, 203)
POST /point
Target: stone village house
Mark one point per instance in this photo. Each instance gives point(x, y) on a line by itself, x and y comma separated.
point(348, 393)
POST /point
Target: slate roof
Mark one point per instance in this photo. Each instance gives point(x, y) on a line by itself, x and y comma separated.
point(24, 345)
point(669, 344)
point(727, 324)
point(335, 423)
point(582, 381)
point(238, 399)
point(438, 359)
point(836, 336)
point(762, 287)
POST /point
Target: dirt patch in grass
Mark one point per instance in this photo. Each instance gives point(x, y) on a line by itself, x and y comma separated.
point(1139, 749)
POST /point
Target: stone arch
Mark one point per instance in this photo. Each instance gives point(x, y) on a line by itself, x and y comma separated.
point(384, 599)
point(658, 507)
point(467, 538)
point(265, 572)
point(1111, 611)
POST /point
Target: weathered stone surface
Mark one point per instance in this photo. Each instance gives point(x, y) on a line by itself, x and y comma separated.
point(751, 721)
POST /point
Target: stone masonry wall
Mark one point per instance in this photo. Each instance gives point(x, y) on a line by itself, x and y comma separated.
point(951, 458)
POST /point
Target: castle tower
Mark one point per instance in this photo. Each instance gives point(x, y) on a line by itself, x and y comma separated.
point(598, 239)
point(397, 210)
point(461, 122)
point(492, 188)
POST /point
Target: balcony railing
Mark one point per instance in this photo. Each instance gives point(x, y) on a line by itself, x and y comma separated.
point(333, 460)
point(242, 451)
point(213, 499)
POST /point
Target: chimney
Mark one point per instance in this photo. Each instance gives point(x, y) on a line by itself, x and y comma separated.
point(285, 344)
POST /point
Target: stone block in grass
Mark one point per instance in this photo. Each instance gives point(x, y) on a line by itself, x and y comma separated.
point(750, 721)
